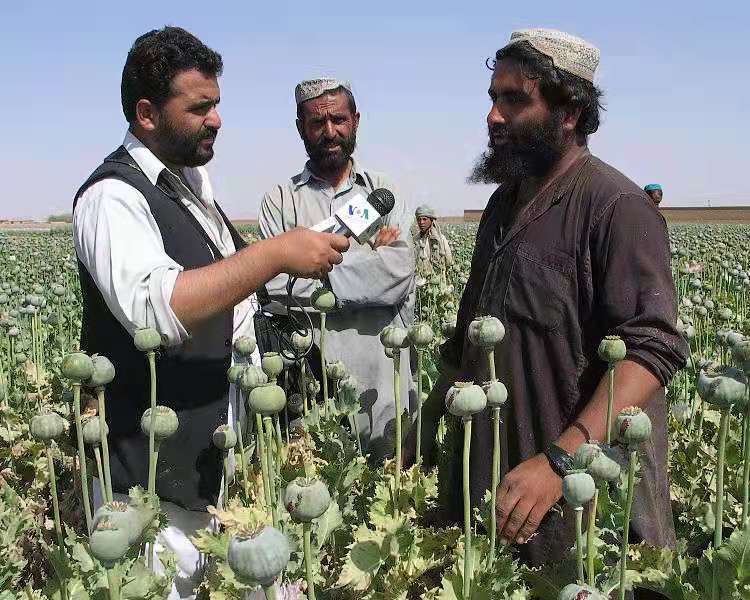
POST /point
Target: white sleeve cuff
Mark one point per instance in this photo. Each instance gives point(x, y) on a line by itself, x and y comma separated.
point(161, 286)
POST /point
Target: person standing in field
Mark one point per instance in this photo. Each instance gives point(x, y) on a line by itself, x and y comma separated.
point(433, 250)
point(155, 250)
point(654, 192)
point(568, 250)
point(375, 282)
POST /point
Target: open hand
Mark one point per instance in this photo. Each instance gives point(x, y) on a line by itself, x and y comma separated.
point(524, 497)
point(386, 236)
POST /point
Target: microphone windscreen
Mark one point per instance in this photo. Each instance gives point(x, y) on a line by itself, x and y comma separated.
point(382, 200)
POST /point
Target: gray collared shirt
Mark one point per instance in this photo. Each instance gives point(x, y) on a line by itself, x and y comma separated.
point(375, 287)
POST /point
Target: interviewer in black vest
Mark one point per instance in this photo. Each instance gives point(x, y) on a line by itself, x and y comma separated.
point(155, 250)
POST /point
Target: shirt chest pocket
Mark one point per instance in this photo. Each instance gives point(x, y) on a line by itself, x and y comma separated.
point(541, 288)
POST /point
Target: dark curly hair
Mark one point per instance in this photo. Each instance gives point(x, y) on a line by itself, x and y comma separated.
point(154, 60)
point(559, 88)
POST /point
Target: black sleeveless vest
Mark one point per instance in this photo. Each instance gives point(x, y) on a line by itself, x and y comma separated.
point(191, 377)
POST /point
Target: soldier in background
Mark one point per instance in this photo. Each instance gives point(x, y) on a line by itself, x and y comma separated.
point(433, 251)
point(654, 192)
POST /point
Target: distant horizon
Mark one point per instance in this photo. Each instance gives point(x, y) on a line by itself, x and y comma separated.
point(676, 108)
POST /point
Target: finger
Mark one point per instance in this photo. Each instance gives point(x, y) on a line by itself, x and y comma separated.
point(504, 508)
point(336, 258)
point(516, 520)
point(532, 523)
point(339, 242)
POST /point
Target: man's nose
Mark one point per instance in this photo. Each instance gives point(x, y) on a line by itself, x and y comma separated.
point(495, 117)
point(329, 130)
point(213, 119)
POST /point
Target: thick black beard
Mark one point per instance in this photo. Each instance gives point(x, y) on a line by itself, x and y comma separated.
point(182, 148)
point(325, 162)
point(531, 150)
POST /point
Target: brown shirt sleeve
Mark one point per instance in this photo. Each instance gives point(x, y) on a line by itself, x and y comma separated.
point(633, 287)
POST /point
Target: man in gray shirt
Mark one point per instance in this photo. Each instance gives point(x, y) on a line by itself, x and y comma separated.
point(375, 283)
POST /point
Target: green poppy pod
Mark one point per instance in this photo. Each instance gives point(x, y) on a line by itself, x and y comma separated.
point(633, 425)
point(234, 373)
point(301, 342)
point(348, 395)
point(14, 332)
point(741, 355)
point(108, 544)
point(121, 515)
point(313, 387)
point(224, 437)
point(708, 304)
point(578, 488)
point(448, 327)
point(595, 461)
point(258, 557)
point(336, 370)
point(267, 399)
point(722, 386)
point(146, 339)
point(245, 345)
point(421, 335)
point(252, 376)
point(272, 364)
point(306, 499)
point(497, 393)
point(612, 349)
point(725, 314)
point(702, 311)
point(165, 424)
point(58, 290)
point(323, 300)
point(388, 352)
point(103, 373)
point(394, 337)
point(465, 399)
point(734, 338)
point(486, 332)
point(77, 366)
point(721, 337)
point(47, 427)
point(579, 591)
point(91, 432)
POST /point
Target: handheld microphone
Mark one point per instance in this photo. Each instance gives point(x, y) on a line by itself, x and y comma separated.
point(360, 217)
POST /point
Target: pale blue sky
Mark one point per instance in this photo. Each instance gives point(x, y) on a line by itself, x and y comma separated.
point(675, 78)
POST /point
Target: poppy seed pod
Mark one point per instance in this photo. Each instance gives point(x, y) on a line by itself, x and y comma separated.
point(306, 499)
point(486, 332)
point(725, 314)
point(301, 342)
point(448, 326)
point(595, 461)
point(91, 432)
point(121, 515)
point(421, 335)
point(741, 355)
point(612, 349)
point(633, 425)
point(245, 345)
point(267, 399)
point(465, 399)
point(578, 487)
point(252, 376)
point(166, 423)
point(272, 364)
point(722, 386)
point(108, 544)
point(394, 337)
point(336, 370)
point(77, 366)
point(58, 290)
point(681, 411)
point(578, 591)
point(234, 372)
point(323, 300)
point(224, 437)
point(104, 372)
point(146, 339)
point(258, 557)
point(47, 427)
point(497, 393)
point(734, 338)
point(313, 387)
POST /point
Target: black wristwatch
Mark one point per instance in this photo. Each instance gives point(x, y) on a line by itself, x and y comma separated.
point(560, 461)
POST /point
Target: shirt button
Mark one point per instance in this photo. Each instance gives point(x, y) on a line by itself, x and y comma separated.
point(227, 343)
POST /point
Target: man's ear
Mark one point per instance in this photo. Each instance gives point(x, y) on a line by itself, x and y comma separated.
point(300, 128)
point(356, 121)
point(146, 115)
point(570, 119)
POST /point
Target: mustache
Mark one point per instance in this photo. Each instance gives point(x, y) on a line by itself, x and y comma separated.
point(209, 134)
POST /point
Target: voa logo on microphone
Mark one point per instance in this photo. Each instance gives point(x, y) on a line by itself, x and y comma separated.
point(359, 212)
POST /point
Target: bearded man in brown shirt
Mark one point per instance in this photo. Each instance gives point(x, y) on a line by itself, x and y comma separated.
point(568, 250)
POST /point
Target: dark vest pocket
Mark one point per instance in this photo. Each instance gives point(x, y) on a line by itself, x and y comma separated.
point(541, 289)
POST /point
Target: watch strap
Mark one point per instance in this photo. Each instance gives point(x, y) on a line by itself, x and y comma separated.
point(560, 461)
